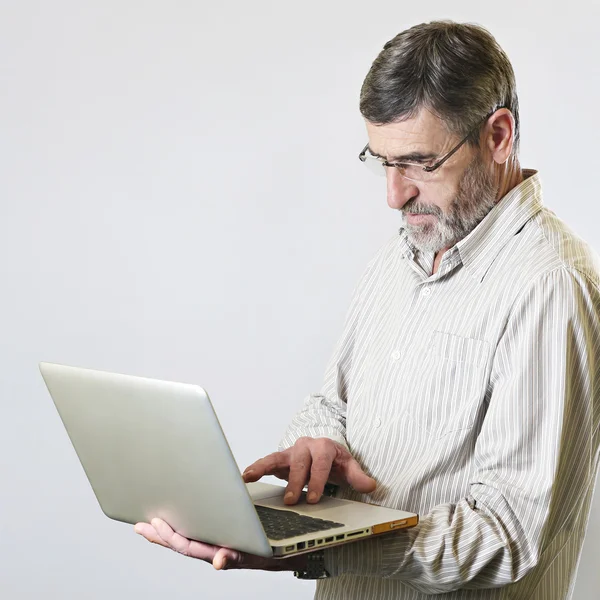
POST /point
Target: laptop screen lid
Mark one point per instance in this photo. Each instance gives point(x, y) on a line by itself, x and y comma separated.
point(154, 448)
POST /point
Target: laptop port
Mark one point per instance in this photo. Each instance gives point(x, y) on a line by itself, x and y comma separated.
point(289, 548)
point(301, 545)
point(339, 537)
point(354, 533)
point(310, 544)
point(319, 542)
point(329, 539)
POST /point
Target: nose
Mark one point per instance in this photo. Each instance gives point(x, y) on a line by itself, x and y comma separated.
point(399, 189)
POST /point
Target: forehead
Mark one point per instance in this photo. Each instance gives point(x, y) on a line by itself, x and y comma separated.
point(423, 134)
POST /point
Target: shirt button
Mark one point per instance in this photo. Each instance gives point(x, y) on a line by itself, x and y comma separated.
point(377, 422)
point(396, 355)
point(426, 291)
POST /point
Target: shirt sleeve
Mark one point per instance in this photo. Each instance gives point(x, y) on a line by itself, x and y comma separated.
point(324, 414)
point(535, 456)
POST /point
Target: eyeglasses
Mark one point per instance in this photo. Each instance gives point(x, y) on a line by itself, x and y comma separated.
point(410, 171)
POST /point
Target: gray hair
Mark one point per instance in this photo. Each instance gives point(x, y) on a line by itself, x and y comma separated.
point(457, 71)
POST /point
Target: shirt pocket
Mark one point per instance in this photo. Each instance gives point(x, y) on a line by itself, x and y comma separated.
point(448, 383)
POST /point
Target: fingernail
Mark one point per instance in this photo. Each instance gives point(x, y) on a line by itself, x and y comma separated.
point(312, 496)
point(289, 496)
point(250, 472)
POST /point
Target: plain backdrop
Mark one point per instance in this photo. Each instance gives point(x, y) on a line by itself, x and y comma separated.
point(180, 198)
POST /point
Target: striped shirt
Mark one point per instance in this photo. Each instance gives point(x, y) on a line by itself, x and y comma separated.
point(472, 396)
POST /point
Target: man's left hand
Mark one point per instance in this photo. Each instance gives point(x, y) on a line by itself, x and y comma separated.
point(159, 532)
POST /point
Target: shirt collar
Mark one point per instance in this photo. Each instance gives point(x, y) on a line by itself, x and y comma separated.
point(478, 250)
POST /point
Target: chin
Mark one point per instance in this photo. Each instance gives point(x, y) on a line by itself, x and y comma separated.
point(423, 240)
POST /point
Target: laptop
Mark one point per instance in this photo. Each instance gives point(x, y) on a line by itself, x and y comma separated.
point(154, 448)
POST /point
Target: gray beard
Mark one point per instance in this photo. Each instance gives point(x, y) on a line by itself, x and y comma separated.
point(475, 197)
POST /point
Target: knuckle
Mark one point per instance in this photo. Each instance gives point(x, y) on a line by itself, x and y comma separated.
point(270, 458)
point(268, 463)
point(340, 453)
point(321, 466)
point(325, 448)
point(323, 443)
point(283, 458)
point(298, 466)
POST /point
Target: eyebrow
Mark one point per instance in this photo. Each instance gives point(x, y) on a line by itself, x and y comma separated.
point(417, 157)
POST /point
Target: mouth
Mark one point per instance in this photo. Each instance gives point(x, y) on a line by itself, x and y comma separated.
point(417, 218)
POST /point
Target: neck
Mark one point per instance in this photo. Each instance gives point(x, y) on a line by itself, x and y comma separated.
point(507, 176)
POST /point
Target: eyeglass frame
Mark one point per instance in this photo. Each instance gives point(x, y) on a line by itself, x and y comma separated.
point(427, 168)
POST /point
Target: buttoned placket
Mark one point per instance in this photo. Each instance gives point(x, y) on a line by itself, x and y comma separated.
point(425, 288)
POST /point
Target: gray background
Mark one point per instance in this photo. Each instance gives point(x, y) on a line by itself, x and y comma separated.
point(181, 199)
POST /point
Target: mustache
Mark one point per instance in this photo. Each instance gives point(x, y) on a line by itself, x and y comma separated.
point(415, 208)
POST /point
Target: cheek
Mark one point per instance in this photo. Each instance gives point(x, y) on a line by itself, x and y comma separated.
point(433, 196)
point(440, 193)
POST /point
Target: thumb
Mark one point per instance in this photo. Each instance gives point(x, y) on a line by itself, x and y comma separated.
point(358, 479)
point(225, 559)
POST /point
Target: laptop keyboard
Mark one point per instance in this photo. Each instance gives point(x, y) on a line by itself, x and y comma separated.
point(281, 524)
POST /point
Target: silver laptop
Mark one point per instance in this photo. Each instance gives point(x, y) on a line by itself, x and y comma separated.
point(155, 448)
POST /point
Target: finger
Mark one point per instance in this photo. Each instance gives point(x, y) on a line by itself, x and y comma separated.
point(357, 478)
point(269, 465)
point(174, 540)
point(323, 454)
point(251, 476)
point(300, 464)
point(180, 544)
point(146, 530)
point(226, 559)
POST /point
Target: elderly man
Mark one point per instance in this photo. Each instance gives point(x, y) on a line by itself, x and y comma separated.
point(464, 386)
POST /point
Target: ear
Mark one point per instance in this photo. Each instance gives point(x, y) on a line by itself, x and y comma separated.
point(499, 135)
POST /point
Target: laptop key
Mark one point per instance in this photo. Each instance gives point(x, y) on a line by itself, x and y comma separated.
point(280, 524)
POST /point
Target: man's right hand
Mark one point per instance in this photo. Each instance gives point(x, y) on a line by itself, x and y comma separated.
point(315, 461)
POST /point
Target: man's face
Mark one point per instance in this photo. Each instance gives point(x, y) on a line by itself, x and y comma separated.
point(440, 212)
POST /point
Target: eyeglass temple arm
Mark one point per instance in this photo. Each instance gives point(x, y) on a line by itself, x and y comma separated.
point(438, 164)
